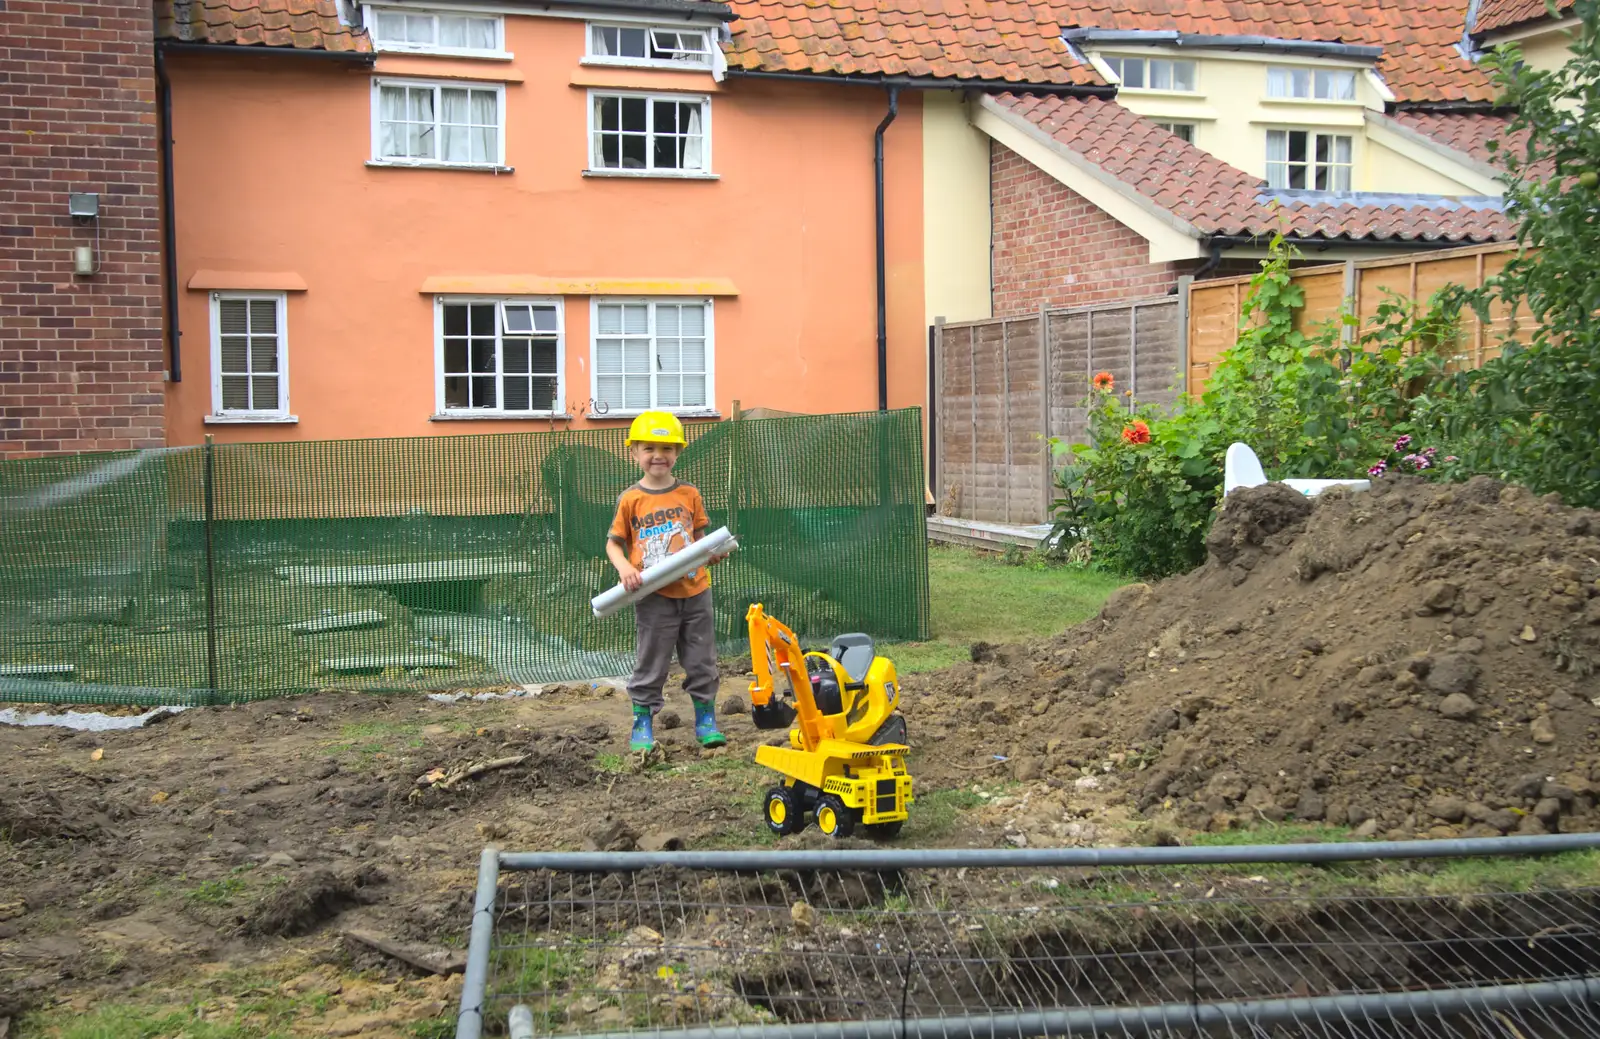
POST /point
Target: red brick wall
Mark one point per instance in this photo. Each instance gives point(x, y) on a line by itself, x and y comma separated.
point(1053, 247)
point(81, 357)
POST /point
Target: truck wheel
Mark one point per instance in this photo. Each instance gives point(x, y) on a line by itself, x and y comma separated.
point(783, 812)
point(834, 819)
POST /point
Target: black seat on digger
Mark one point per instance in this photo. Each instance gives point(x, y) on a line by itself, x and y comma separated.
point(855, 653)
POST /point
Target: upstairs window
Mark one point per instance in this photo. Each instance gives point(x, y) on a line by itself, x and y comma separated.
point(1305, 159)
point(1307, 84)
point(499, 357)
point(437, 124)
point(1173, 74)
point(647, 45)
point(1183, 131)
point(428, 32)
point(648, 133)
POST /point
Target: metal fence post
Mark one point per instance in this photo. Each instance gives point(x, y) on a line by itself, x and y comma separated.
point(209, 481)
point(733, 468)
point(469, 1019)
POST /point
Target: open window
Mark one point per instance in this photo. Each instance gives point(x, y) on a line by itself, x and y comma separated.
point(675, 47)
point(499, 357)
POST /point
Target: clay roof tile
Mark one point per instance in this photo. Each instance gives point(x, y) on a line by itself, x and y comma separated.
point(291, 24)
point(1216, 198)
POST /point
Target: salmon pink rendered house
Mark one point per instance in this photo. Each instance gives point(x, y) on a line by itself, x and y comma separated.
point(412, 217)
point(409, 218)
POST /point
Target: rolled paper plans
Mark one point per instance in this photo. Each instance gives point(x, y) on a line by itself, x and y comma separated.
point(717, 543)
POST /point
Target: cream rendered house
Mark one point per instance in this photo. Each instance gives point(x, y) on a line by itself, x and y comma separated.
point(1542, 38)
point(1358, 135)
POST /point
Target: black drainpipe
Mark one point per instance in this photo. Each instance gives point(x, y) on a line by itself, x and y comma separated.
point(883, 287)
point(168, 221)
point(1217, 245)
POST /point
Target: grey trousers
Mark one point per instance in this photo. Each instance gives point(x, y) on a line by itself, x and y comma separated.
point(663, 625)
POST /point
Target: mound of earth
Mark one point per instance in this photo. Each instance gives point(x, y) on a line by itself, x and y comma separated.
point(1414, 660)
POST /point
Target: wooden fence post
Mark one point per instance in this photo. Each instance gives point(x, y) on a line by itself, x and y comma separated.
point(1133, 356)
point(1005, 408)
point(1185, 359)
point(936, 416)
point(1044, 405)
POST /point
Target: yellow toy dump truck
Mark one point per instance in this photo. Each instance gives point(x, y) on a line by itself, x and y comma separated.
point(845, 763)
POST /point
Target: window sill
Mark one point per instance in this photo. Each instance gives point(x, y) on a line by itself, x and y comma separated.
point(1185, 95)
point(464, 167)
point(251, 420)
point(637, 63)
point(1320, 102)
point(651, 175)
point(499, 416)
point(679, 412)
point(390, 51)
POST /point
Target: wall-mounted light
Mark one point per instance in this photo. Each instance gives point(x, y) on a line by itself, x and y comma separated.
point(85, 205)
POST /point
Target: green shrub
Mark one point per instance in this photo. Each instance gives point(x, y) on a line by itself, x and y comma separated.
point(1139, 496)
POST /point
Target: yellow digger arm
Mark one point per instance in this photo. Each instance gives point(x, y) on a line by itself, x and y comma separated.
point(774, 646)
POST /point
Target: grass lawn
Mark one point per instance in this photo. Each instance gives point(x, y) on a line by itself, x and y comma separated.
point(980, 597)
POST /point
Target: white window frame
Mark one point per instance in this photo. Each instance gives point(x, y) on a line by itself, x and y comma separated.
point(1311, 164)
point(1169, 125)
point(650, 98)
point(279, 413)
point(498, 89)
point(498, 52)
point(1149, 62)
point(708, 408)
point(1313, 75)
point(592, 56)
point(558, 399)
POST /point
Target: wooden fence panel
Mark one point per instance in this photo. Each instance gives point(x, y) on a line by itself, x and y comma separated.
point(957, 416)
point(1004, 387)
point(1023, 418)
point(1215, 306)
point(989, 404)
point(1069, 373)
point(1158, 357)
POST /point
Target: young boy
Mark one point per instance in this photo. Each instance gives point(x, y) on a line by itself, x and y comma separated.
point(657, 517)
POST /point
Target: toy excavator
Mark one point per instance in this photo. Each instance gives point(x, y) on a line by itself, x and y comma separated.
point(845, 763)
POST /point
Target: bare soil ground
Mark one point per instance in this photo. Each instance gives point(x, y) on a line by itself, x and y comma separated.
point(1416, 661)
point(213, 858)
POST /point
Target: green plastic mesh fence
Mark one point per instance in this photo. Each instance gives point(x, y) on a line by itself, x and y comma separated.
point(209, 575)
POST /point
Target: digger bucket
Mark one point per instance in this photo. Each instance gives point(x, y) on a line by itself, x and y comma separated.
point(773, 715)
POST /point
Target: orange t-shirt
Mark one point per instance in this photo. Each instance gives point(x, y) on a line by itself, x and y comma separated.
point(652, 525)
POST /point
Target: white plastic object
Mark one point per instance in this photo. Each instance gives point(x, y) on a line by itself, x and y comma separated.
point(1241, 468)
point(717, 543)
point(1312, 488)
point(520, 1023)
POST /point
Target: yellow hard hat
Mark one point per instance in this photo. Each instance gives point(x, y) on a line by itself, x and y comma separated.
point(656, 427)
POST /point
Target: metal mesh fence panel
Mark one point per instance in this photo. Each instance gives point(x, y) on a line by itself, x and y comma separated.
point(216, 574)
point(775, 949)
